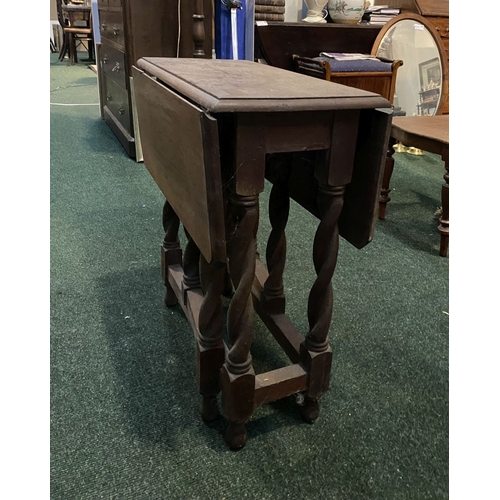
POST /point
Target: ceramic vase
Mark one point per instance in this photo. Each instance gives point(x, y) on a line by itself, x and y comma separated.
point(347, 11)
point(315, 11)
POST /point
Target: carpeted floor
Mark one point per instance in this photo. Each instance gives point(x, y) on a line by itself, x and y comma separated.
point(124, 421)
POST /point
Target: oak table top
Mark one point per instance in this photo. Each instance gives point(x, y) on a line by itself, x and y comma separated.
point(227, 86)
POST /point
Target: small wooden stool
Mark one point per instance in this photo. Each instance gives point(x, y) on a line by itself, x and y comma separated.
point(375, 76)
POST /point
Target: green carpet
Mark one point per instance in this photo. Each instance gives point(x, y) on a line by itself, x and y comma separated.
point(124, 421)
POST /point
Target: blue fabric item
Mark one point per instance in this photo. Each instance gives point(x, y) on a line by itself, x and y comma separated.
point(356, 65)
point(223, 43)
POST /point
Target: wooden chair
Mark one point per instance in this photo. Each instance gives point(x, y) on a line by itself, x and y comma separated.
point(74, 34)
point(64, 22)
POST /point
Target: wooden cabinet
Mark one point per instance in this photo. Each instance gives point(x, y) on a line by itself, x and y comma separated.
point(131, 29)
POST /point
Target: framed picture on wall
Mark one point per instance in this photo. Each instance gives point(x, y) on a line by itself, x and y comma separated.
point(430, 71)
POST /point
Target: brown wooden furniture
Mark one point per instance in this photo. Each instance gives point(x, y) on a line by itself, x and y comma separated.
point(380, 82)
point(76, 22)
point(207, 146)
point(383, 83)
point(437, 13)
point(429, 133)
point(131, 29)
point(439, 106)
point(63, 22)
point(277, 42)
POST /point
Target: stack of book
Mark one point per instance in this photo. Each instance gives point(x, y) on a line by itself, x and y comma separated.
point(380, 14)
point(270, 10)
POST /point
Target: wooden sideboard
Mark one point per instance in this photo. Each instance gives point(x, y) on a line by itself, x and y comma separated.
point(277, 42)
point(131, 29)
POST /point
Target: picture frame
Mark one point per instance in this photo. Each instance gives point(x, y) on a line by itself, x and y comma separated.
point(430, 70)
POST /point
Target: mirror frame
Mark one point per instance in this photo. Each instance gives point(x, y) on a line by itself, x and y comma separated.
point(439, 44)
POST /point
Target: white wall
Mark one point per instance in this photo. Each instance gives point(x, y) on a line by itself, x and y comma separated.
point(293, 10)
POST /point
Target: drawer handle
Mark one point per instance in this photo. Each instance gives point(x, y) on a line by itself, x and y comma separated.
point(447, 30)
point(109, 97)
point(121, 110)
point(116, 67)
point(104, 25)
point(116, 30)
point(105, 59)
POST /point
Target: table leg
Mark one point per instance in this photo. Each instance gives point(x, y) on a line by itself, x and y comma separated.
point(237, 374)
point(444, 221)
point(171, 252)
point(190, 265)
point(273, 297)
point(385, 190)
point(315, 352)
point(209, 346)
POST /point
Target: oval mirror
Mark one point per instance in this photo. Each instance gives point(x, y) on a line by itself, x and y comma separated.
point(422, 80)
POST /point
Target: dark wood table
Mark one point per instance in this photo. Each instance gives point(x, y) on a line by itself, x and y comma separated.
point(211, 132)
point(429, 133)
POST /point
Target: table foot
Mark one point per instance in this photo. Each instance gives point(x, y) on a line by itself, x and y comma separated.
point(209, 408)
point(238, 392)
point(236, 435)
point(443, 247)
point(309, 411)
point(170, 297)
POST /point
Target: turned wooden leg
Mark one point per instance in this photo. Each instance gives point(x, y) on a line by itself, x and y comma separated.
point(210, 347)
point(198, 30)
point(385, 189)
point(444, 221)
point(190, 265)
point(315, 352)
point(237, 374)
point(273, 296)
point(72, 49)
point(171, 252)
point(64, 46)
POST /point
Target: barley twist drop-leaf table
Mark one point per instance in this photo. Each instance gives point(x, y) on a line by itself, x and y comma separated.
point(212, 131)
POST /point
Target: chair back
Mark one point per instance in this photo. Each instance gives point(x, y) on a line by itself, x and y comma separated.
point(63, 20)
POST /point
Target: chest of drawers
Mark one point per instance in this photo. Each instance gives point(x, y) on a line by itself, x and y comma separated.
point(131, 29)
